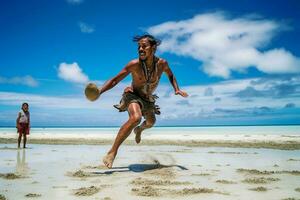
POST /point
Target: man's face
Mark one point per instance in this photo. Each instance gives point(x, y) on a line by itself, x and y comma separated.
point(145, 49)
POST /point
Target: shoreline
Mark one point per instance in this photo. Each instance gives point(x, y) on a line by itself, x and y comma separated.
point(282, 142)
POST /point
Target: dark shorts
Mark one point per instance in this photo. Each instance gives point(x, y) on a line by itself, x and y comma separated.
point(146, 106)
point(23, 128)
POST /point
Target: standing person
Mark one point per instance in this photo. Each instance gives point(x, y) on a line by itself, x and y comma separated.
point(138, 99)
point(23, 124)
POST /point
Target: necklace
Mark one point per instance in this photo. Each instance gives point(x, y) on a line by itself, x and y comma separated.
point(148, 73)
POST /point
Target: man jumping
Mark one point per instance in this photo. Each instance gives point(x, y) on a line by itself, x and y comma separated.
point(138, 99)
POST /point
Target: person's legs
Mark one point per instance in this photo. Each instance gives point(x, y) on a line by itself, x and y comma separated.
point(148, 123)
point(19, 140)
point(135, 116)
point(24, 140)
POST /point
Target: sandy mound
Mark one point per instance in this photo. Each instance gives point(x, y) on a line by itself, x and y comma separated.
point(260, 180)
point(86, 191)
point(33, 195)
point(144, 181)
point(151, 191)
point(147, 191)
point(225, 182)
point(2, 197)
point(10, 176)
point(79, 174)
point(264, 172)
point(259, 189)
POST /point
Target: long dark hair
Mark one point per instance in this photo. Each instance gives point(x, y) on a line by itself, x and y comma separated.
point(23, 104)
point(26, 112)
point(152, 40)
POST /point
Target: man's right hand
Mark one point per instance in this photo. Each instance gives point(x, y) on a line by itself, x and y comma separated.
point(128, 89)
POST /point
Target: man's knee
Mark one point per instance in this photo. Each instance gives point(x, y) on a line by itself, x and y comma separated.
point(135, 114)
point(149, 123)
point(136, 119)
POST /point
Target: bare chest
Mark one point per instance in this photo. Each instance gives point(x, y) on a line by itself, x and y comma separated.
point(146, 77)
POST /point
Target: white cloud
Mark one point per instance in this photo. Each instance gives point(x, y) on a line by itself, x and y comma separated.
point(227, 44)
point(25, 80)
point(76, 101)
point(86, 28)
point(279, 61)
point(226, 102)
point(74, 2)
point(72, 73)
point(66, 110)
point(279, 92)
point(14, 98)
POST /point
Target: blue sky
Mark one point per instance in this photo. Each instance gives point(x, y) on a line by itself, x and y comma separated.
point(238, 60)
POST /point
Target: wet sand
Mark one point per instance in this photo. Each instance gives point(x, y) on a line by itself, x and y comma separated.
point(148, 172)
point(284, 142)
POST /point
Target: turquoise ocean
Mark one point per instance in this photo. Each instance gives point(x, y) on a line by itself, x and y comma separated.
point(205, 130)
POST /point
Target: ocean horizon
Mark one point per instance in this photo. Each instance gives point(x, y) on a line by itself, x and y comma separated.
point(160, 126)
point(181, 130)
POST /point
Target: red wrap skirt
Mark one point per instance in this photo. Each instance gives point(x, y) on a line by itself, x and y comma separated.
point(23, 128)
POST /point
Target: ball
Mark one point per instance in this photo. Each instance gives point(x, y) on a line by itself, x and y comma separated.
point(92, 92)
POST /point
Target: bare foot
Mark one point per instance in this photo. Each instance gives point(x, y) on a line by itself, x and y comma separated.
point(138, 133)
point(108, 160)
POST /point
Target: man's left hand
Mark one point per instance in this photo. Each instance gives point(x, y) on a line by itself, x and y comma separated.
point(181, 93)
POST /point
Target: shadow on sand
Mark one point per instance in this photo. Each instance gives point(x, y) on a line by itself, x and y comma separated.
point(137, 168)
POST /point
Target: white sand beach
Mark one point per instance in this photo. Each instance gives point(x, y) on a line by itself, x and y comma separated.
point(255, 137)
point(179, 166)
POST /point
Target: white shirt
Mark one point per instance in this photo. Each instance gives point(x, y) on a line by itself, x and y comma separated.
point(23, 118)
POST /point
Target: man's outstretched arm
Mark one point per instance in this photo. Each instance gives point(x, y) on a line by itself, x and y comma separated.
point(115, 80)
point(173, 81)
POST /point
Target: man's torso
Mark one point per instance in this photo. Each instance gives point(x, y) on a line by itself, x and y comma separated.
point(140, 84)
